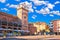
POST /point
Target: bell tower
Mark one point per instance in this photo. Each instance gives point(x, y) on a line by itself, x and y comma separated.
point(22, 14)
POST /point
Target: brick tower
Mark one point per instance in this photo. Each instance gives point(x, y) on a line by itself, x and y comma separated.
point(22, 14)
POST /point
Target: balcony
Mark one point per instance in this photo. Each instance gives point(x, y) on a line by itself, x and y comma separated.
point(4, 29)
point(15, 24)
point(15, 28)
point(19, 25)
point(1, 34)
point(1, 29)
point(9, 34)
point(7, 29)
point(10, 24)
point(4, 22)
point(21, 30)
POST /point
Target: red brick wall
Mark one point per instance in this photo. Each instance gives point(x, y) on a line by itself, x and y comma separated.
point(55, 26)
point(32, 30)
point(7, 17)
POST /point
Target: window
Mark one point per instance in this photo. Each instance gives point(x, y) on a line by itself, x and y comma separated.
point(25, 26)
point(15, 28)
point(4, 22)
point(3, 27)
point(9, 31)
point(25, 17)
point(10, 24)
point(9, 28)
point(15, 24)
point(19, 26)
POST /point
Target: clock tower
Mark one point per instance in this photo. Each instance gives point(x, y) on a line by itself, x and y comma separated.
point(22, 14)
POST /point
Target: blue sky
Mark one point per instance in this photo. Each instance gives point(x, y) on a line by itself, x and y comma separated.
point(39, 10)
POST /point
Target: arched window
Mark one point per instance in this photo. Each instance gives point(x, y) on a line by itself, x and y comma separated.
point(10, 24)
point(9, 28)
point(15, 28)
point(3, 27)
point(15, 24)
point(24, 17)
point(4, 22)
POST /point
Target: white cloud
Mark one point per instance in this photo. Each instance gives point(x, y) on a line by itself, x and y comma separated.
point(56, 12)
point(17, 0)
point(51, 15)
point(47, 11)
point(4, 9)
point(43, 11)
point(8, 4)
point(38, 2)
point(2, 1)
point(57, 2)
point(34, 16)
point(50, 6)
point(31, 10)
point(34, 7)
point(27, 5)
point(46, 3)
point(13, 6)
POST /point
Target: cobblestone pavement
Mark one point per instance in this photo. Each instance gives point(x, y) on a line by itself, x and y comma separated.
point(37, 37)
point(27, 39)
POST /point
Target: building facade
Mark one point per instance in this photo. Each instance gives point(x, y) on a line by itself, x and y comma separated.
point(56, 26)
point(10, 23)
point(41, 26)
point(32, 29)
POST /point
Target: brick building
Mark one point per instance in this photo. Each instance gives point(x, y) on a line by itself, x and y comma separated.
point(32, 29)
point(40, 26)
point(56, 26)
point(10, 23)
